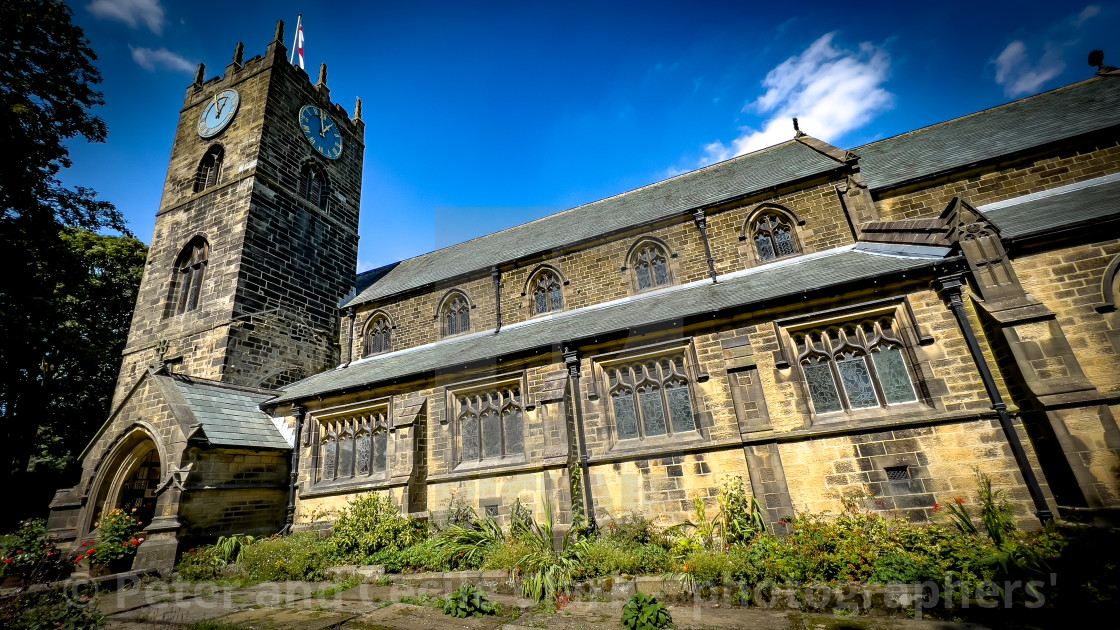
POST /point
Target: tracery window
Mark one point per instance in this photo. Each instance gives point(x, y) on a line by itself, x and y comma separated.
point(650, 397)
point(854, 366)
point(491, 423)
point(651, 266)
point(313, 185)
point(456, 315)
point(190, 268)
point(378, 336)
point(773, 236)
point(354, 447)
point(209, 169)
point(547, 293)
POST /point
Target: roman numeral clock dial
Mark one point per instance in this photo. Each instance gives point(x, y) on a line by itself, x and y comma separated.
point(218, 113)
point(321, 132)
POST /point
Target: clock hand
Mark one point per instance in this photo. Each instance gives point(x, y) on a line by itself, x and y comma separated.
point(322, 131)
point(327, 128)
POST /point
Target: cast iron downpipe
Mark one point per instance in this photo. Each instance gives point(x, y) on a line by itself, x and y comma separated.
point(571, 359)
point(290, 517)
point(702, 223)
point(497, 276)
point(350, 316)
point(952, 287)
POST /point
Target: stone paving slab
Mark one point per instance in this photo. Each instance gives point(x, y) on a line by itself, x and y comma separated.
point(411, 617)
point(285, 618)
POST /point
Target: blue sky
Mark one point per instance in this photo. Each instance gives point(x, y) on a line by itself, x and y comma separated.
point(482, 116)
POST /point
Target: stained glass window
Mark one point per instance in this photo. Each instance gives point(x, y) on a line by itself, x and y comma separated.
point(353, 447)
point(773, 236)
point(377, 338)
point(855, 366)
point(547, 293)
point(191, 267)
point(651, 267)
point(491, 423)
point(362, 459)
point(380, 449)
point(457, 316)
point(651, 398)
point(329, 459)
point(345, 457)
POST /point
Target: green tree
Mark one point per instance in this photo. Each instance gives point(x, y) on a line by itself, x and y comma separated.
point(47, 90)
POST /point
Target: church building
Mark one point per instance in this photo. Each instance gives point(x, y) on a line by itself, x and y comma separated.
point(874, 322)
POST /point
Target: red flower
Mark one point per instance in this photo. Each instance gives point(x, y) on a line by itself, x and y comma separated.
point(91, 552)
point(19, 551)
point(84, 544)
point(192, 549)
point(7, 560)
point(960, 500)
point(936, 507)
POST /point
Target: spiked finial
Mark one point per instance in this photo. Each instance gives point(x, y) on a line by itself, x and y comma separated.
point(280, 31)
point(323, 75)
point(358, 110)
point(239, 53)
point(796, 128)
point(200, 76)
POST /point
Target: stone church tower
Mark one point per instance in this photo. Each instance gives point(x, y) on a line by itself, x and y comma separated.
point(256, 238)
point(255, 243)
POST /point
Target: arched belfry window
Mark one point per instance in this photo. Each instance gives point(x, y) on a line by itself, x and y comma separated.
point(313, 185)
point(377, 338)
point(456, 314)
point(209, 169)
point(546, 292)
point(650, 263)
point(190, 268)
point(772, 232)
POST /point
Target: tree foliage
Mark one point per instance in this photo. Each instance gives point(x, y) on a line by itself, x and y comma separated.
point(47, 90)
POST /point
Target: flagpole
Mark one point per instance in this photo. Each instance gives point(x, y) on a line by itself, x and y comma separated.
point(295, 39)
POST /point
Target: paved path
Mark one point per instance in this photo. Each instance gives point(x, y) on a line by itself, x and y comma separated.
point(318, 606)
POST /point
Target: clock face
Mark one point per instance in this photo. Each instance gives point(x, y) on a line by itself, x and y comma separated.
point(321, 132)
point(218, 113)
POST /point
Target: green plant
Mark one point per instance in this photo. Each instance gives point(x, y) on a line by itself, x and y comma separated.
point(199, 564)
point(50, 609)
point(996, 512)
point(117, 537)
point(370, 524)
point(468, 601)
point(300, 556)
point(228, 548)
point(28, 554)
point(519, 516)
point(470, 544)
point(644, 612)
point(741, 518)
point(961, 519)
point(459, 512)
point(546, 571)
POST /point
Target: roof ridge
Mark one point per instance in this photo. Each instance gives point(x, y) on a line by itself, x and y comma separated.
point(590, 203)
point(220, 384)
point(978, 113)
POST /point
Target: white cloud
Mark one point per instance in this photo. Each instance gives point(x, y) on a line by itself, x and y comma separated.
point(1086, 14)
point(163, 58)
point(131, 12)
point(831, 90)
point(1018, 76)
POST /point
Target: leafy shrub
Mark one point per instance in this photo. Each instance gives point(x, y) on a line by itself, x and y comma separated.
point(468, 601)
point(28, 554)
point(300, 556)
point(370, 524)
point(740, 517)
point(644, 612)
point(51, 608)
point(610, 557)
point(228, 548)
point(520, 518)
point(200, 564)
point(634, 529)
point(469, 545)
point(508, 557)
point(546, 571)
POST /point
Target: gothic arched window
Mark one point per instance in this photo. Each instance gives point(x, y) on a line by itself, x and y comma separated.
point(456, 315)
point(377, 338)
point(209, 169)
point(546, 291)
point(353, 447)
point(651, 266)
point(651, 397)
point(190, 268)
point(854, 366)
point(773, 235)
point(313, 185)
point(491, 423)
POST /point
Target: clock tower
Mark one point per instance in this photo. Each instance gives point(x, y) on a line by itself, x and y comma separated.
point(256, 236)
point(256, 241)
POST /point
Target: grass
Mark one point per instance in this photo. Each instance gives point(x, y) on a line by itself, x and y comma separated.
point(345, 585)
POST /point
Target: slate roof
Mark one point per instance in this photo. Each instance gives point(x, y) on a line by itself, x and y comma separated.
point(1081, 108)
point(744, 175)
point(228, 415)
point(1067, 207)
point(782, 279)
